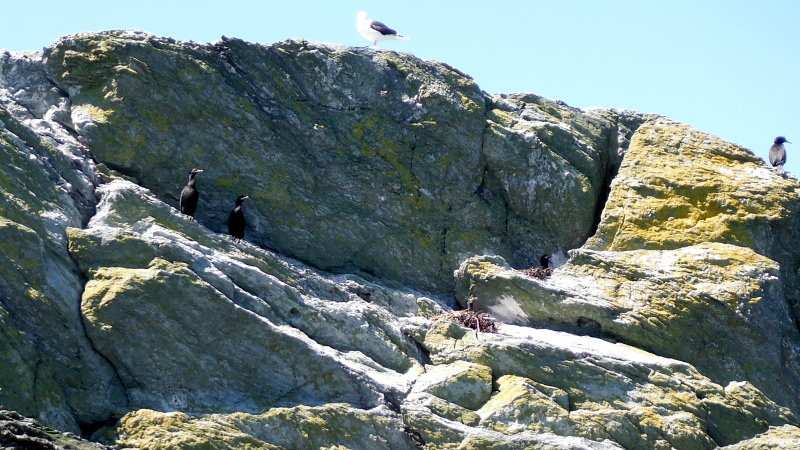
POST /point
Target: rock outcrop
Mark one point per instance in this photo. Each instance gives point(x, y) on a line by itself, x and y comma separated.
point(354, 159)
point(47, 183)
point(19, 432)
point(383, 188)
point(690, 261)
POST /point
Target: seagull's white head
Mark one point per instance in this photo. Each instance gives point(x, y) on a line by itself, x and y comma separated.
point(361, 16)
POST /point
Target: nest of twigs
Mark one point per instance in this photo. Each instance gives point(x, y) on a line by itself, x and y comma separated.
point(471, 319)
point(538, 272)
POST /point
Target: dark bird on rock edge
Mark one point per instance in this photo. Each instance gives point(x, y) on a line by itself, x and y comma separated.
point(190, 195)
point(777, 154)
point(375, 31)
point(236, 219)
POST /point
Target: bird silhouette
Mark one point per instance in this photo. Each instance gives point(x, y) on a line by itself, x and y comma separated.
point(190, 195)
point(375, 31)
point(236, 219)
point(777, 154)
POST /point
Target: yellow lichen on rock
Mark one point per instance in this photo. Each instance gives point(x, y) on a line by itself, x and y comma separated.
point(401, 174)
point(707, 304)
point(176, 430)
point(462, 383)
point(597, 391)
point(520, 405)
point(334, 425)
point(678, 186)
point(93, 113)
point(784, 437)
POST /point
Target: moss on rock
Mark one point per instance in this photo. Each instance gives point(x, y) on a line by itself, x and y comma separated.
point(465, 384)
point(329, 426)
point(708, 304)
point(572, 386)
point(156, 326)
point(400, 174)
point(395, 172)
point(679, 186)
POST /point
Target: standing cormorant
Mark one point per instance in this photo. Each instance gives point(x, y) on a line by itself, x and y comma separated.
point(236, 219)
point(777, 154)
point(190, 195)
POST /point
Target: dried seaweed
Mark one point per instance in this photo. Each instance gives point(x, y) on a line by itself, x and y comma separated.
point(538, 272)
point(471, 319)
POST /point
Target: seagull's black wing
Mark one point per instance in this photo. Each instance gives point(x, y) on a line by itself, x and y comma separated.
point(381, 28)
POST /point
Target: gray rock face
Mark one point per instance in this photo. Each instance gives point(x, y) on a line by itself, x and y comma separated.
point(18, 432)
point(197, 325)
point(47, 184)
point(373, 176)
point(733, 303)
point(354, 158)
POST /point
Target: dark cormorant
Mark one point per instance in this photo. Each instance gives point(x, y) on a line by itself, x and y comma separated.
point(545, 261)
point(777, 154)
point(190, 195)
point(236, 219)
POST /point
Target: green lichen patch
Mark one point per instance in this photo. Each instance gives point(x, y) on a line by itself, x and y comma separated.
point(120, 249)
point(329, 426)
point(589, 389)
point(22, 255)
point(18, 374)
point(465, 384)
point(518, 405)
point(707, 304)
point(393, 170)
point(156, 325)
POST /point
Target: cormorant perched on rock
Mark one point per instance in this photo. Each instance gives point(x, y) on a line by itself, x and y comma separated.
point(190, 195)
point(777, 154)
point(236, 219)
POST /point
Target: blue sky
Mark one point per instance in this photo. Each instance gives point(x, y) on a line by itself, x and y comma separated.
point(731, 68)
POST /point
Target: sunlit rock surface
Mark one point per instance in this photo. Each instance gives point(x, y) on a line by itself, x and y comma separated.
point(377, 202)
point(681, 264)
point(355, 159)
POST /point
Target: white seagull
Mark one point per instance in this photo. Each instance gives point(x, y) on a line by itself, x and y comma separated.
point(375, 31)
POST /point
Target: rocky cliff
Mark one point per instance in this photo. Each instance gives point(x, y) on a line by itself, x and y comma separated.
point(384, 191)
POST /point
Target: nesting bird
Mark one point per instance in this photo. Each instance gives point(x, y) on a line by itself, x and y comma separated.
point(777, 154)
point(190, 195)
point(375, 31)
point(236, 219)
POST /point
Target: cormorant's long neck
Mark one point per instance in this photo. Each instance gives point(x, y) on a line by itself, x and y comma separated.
point(191, 180)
